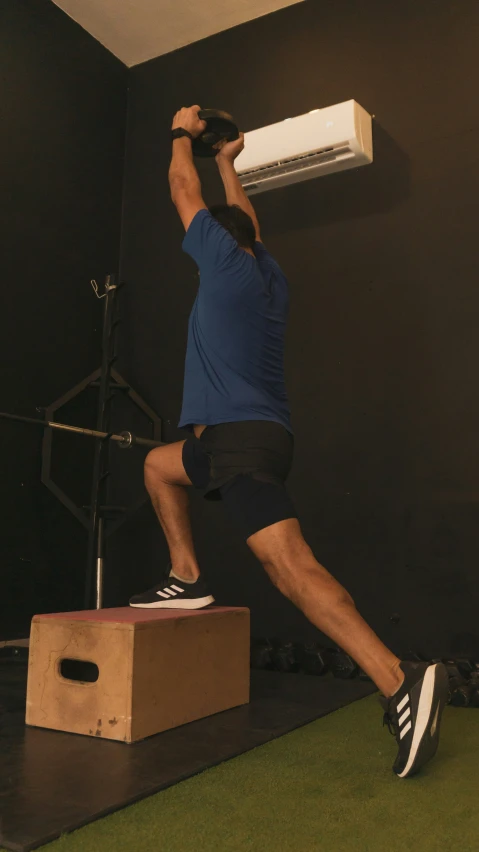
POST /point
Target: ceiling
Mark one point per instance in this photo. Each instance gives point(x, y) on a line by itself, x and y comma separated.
point(138, 30)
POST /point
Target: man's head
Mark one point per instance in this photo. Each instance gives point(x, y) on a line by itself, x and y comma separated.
point(237, 222)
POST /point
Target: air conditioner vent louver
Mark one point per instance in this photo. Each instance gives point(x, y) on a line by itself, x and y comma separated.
point(303, 161)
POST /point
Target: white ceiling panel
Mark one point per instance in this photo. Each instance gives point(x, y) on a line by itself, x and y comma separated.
point(138, 30)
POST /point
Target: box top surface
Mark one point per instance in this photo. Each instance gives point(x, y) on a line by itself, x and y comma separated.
point(132, 615)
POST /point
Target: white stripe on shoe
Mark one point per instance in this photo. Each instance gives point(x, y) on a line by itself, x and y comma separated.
point(405, 730)
point(404, 716)
point(170, 592)
point(402, 703)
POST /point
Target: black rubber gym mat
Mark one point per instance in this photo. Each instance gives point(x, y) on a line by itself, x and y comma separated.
point(52, 782)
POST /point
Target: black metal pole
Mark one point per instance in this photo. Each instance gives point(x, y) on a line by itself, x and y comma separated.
point(99, 565)
point(101, 456)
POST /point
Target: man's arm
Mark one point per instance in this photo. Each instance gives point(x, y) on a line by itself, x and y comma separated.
point(235, 193)
point(185, 185)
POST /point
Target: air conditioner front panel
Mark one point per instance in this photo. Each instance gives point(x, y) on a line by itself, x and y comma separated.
point(274, 149)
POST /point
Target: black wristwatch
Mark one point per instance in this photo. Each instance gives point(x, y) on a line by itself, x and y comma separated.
point(179, 132)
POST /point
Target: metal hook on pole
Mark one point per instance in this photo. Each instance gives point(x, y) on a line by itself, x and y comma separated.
point(108, 286)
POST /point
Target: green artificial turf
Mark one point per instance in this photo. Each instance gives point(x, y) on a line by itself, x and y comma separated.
point(327, 786)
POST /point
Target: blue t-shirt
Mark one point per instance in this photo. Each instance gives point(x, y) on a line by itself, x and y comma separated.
point(235, 354)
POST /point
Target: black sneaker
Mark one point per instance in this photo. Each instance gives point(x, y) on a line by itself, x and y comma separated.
point(173, 593)
point(413, 715)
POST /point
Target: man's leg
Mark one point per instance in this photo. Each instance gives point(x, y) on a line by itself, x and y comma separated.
point(166, 481)
point(292, 567)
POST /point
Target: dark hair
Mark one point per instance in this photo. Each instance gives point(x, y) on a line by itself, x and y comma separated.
point(237, 222)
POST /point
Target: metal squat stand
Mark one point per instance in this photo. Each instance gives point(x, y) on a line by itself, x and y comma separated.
point(108, 382)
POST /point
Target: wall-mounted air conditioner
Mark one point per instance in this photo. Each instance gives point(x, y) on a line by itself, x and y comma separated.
point(322, 141)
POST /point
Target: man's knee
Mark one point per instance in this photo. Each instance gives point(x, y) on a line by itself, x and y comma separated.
point(154, 463)
point(288, 562)
point(289, 574)
point(165, 465)
point(296, 573)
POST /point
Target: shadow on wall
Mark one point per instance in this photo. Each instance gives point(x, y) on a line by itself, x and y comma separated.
point(357, 193)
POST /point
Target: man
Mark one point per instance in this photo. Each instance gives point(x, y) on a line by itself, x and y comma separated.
point(241, 447)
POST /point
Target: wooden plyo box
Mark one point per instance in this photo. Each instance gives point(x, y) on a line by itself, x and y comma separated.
point(157, 669)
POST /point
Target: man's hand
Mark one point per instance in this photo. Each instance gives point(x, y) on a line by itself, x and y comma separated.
point(230, 150)
point(187, 118)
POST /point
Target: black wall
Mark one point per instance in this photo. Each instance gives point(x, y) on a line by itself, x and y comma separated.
point(382, 351)
point(63, 107)
point(382, 345)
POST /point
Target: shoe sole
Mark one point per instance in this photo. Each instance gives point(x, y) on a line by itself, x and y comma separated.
point(197, 603)
point(432, 701)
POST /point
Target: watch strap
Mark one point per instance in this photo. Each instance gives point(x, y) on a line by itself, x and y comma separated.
point(179, 132)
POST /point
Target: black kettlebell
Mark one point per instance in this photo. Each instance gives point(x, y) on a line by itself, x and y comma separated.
point(219, 125)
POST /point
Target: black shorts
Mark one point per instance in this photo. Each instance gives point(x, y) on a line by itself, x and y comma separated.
point(245, 464)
